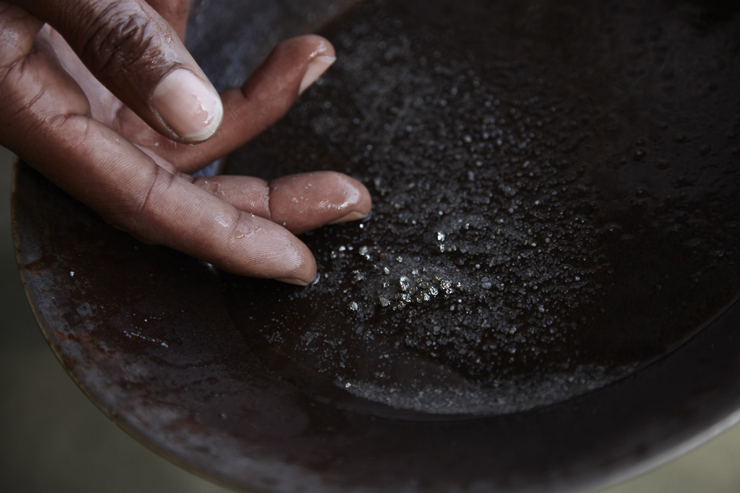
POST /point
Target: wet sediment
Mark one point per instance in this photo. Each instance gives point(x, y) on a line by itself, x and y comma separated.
point(555, 189)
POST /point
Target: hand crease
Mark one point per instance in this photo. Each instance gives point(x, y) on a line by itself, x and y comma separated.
point(269, 200)
point(144, 205)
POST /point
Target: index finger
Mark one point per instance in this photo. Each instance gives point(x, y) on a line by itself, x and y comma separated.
point(129, 189)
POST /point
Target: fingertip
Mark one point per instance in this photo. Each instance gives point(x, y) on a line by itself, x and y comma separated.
point(318, 45)
point(188, 105)
point(315, 69)
point(321, 56)
point(365, 201)
point(307, 201)
point(262, 249)
point(300, 282)
point(305, 274)
point(352, 216)
point(286, 258)
point(357, 200)
point(308, 272)
point(296, 282)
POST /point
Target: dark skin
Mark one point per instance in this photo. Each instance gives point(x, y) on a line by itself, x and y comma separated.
point(83, 101)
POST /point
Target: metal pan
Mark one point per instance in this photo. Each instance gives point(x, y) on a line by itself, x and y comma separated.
point(153, 338)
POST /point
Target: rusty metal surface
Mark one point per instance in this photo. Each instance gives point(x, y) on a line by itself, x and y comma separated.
point(145, 332)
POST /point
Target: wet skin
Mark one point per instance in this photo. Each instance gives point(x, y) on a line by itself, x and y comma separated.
point(106, 102)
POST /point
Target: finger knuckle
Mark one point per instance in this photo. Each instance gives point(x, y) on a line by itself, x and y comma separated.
point(17, 32)
point(147, 207)
point(120, 39)
point(308, 45)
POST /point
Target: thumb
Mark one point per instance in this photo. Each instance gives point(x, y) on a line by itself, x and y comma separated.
point(138, 56)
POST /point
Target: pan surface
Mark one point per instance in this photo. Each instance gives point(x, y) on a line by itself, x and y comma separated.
point(639, 137)
point(554, 204)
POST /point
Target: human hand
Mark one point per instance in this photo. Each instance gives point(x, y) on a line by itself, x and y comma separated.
point(105, 101)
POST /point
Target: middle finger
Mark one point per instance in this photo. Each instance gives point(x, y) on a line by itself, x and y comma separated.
point(299, 203)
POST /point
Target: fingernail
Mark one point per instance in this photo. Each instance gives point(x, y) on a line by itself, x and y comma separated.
point(317, 67)
point(352, 216)
point(297, 282)
point(190, 106)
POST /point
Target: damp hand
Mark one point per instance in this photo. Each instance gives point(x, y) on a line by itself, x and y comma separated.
point(102, 97)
